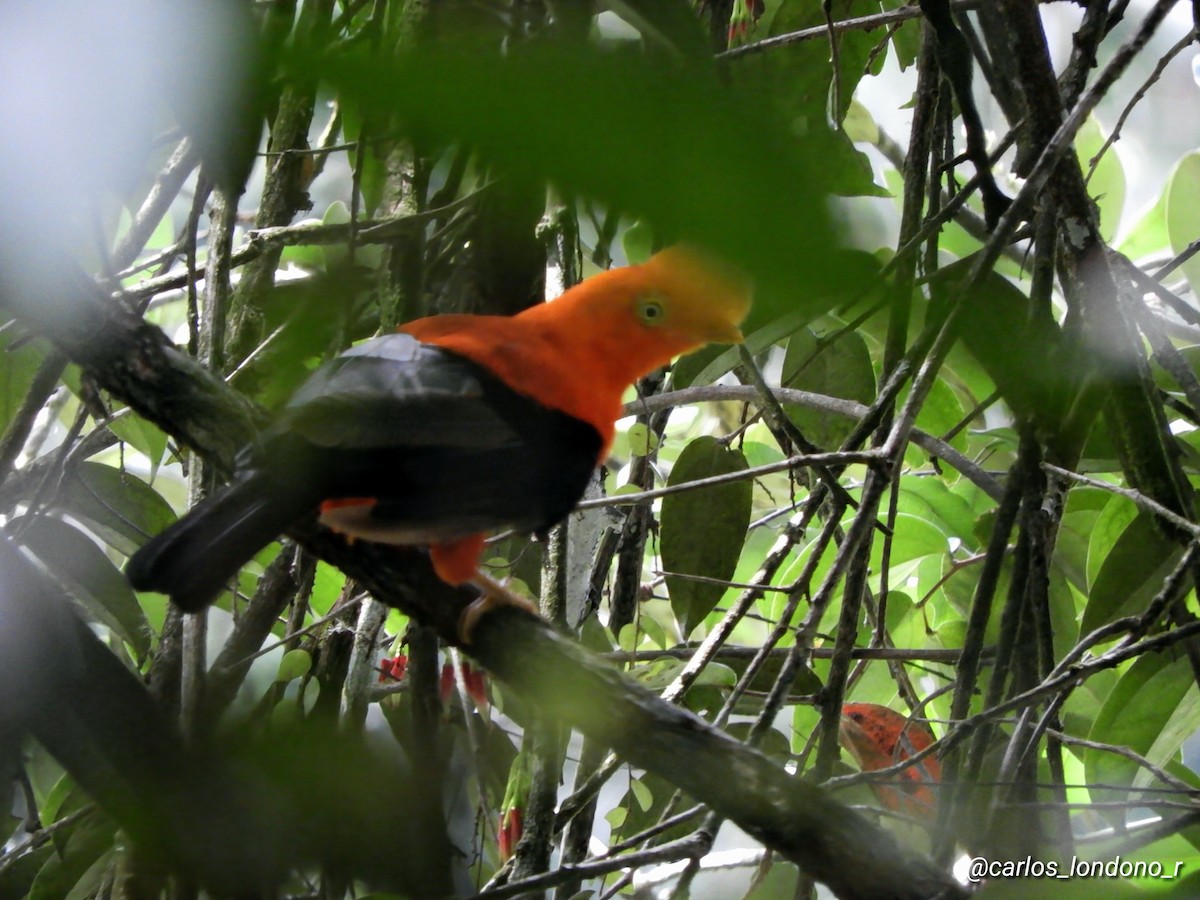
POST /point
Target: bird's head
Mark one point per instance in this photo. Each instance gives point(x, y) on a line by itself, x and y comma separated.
point(691, 297)
point(645, 315)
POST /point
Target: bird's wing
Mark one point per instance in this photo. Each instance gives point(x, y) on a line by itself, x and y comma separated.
point(394, 391)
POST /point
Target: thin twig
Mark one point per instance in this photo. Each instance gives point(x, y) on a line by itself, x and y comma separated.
point(792, 462)
point(1184, 42)
point(1138, 499)
point(847, 408)
point(860, 23)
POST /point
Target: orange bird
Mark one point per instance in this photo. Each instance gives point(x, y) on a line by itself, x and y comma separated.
point(453, 427)
point(879, 738)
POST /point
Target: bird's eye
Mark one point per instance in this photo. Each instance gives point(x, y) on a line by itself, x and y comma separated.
point(650, 310)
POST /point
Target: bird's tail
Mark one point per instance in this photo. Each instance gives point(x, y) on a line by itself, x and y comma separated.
point(196, 557)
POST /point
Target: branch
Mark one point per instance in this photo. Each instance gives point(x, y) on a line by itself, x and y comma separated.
point(847, 408)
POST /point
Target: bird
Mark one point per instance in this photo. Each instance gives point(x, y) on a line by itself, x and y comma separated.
point(452, 427)
point(880, 738)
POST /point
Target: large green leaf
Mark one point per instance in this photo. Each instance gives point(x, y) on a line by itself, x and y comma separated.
point(1131, 574)
point(913, 538)
point(703, 530)
point(930, 498)
point(89, 576)
point(120, 508)
point(800, 82)
point(1155, 729)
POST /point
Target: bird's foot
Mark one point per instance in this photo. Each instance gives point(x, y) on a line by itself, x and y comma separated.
point(492, 594)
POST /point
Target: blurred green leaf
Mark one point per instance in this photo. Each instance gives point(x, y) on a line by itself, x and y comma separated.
point(1183, 212)
point(906, 40)
point(63, 875)
point(17, 368)
point(1148, 237)
point(913, 538)
point(294, 664)
point(638, 242)
point(75, 562)
point(668, 144)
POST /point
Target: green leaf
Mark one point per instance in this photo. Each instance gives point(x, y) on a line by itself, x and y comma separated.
point(1115, 514)
point(1107, 184)
point(120, 508)
point(1022, 351)
point(1071, 553)
point(74, 561)
point(615, 817)
point(941, 411)
point(294, 664)
point(726, 358)
point(779, 883)
point(641, 439)
point(913, 538)
point(61, 874)
point(930, 498)
point(799, 80)
point(1156, 730)
point(806, 682)
point(841, 369)
point(1149, 236)
point(860, 125)
point(657, 674)
point(628, 638)
point(641, 794)
point(17, 368)
point(638, 242)
point(906, 40)
point(1183, 212)
point(16, 878)
point(703, 530)
point(618, 147)
point(146, 437)
point(691, 365)
point(1131, 573)
point(717, 675)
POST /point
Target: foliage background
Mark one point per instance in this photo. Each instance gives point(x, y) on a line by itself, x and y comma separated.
point(998, 536)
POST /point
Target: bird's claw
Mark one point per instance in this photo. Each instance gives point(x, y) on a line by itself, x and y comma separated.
point(492, 594)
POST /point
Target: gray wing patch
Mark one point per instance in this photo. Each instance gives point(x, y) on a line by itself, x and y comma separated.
point(394, 391)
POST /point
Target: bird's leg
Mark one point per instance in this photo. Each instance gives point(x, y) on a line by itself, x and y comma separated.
point(491, 595)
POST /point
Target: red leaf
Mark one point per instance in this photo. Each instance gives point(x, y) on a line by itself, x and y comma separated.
point(511, 824)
